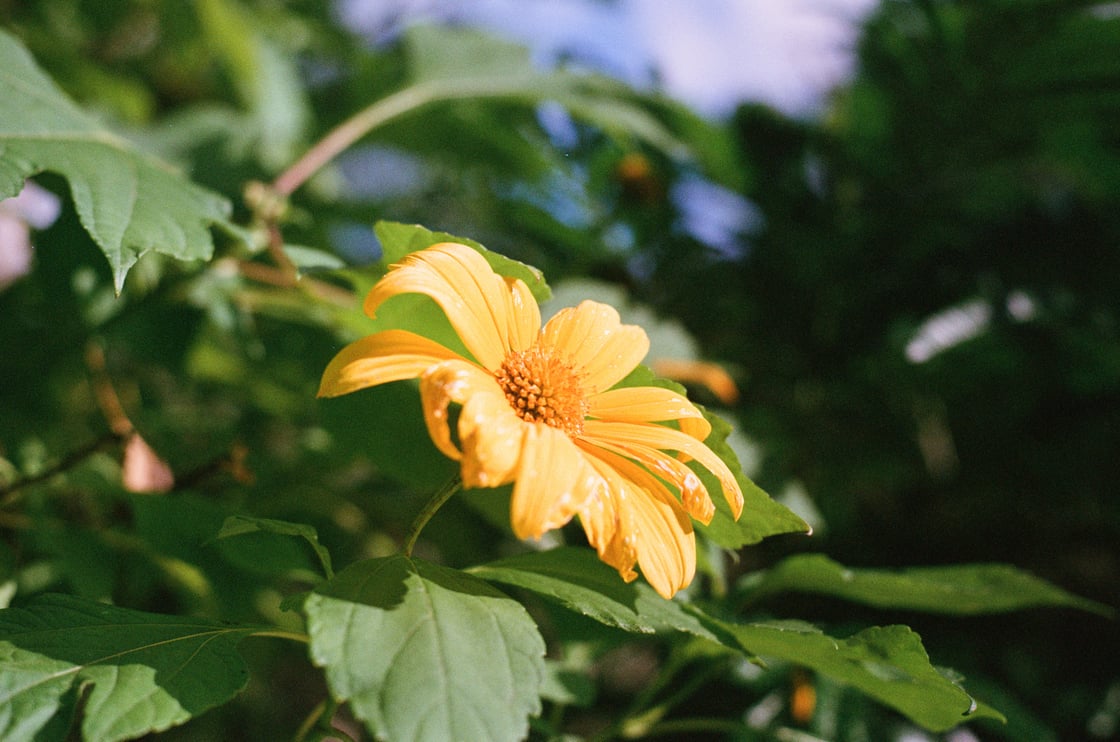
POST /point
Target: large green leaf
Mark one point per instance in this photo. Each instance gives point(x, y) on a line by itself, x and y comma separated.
point(958, 589)
point(423, 652)
point(576, 579)
point(129, 202)
point(145, 671)
point(887, 663)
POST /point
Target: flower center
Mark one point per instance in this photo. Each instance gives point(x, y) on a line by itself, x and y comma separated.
point(542, 387)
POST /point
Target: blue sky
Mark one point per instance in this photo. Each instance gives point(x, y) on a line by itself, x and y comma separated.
point(710, 54)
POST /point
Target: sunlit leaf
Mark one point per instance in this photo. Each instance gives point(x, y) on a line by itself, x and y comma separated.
point(422, 652)
point(146, 672)
point(578, 580)
point(887, 663)
point(129, 202)
point(957, 589)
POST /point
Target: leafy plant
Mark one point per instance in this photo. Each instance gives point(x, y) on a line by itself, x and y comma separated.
point(180, 558)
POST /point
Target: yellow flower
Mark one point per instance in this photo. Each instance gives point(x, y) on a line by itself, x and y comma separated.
point(536, 408)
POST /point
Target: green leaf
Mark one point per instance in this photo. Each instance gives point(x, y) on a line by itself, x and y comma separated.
point(423, 652)
point(761, 515)
point(148, 671)
point(398, 240)
point(887, 663)
point(961, 589)
point(237, 525)
point(310, 259)
point(129, 203)
point(578, 580)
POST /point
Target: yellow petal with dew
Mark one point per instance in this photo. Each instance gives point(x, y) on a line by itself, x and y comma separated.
point(553, 482)
point(474, 297)
point(693, 494)
point(653, 531)
point(491, 435)
point(665, 542)
point(386, 356)
point(592, 337)
point(455, 380)
point(649, 404)
point(636, 437)
point(598, 513)
point(606, 520)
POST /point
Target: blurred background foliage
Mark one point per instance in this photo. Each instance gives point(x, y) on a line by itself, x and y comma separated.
point(919, 297)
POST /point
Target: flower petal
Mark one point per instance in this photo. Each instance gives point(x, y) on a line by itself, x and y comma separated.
point(475, 299)
point(694, 495)
point(649, 404)
point(632, 438)
point(653, 529)
point(455, 380)
point(491, 435)
point(593, 338)
point(386, 356)
point(524, 316)
point(554, 481)
point(602, 516)
point(666, 543)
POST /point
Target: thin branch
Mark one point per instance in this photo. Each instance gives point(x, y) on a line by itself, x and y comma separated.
point(348, 132)
point(10, 493)
point(281, 277)
point(382, 111)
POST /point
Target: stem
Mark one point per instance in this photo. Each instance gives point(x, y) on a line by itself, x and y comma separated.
point(320, 720)
point(348, 132)
point(284, 634)
point(441, 496)
point(311, 721)
point(369, 118)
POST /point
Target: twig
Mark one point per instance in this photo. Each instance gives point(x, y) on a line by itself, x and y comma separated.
point(9, 494)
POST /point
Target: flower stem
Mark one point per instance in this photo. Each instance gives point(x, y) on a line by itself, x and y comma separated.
point(441, 496)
